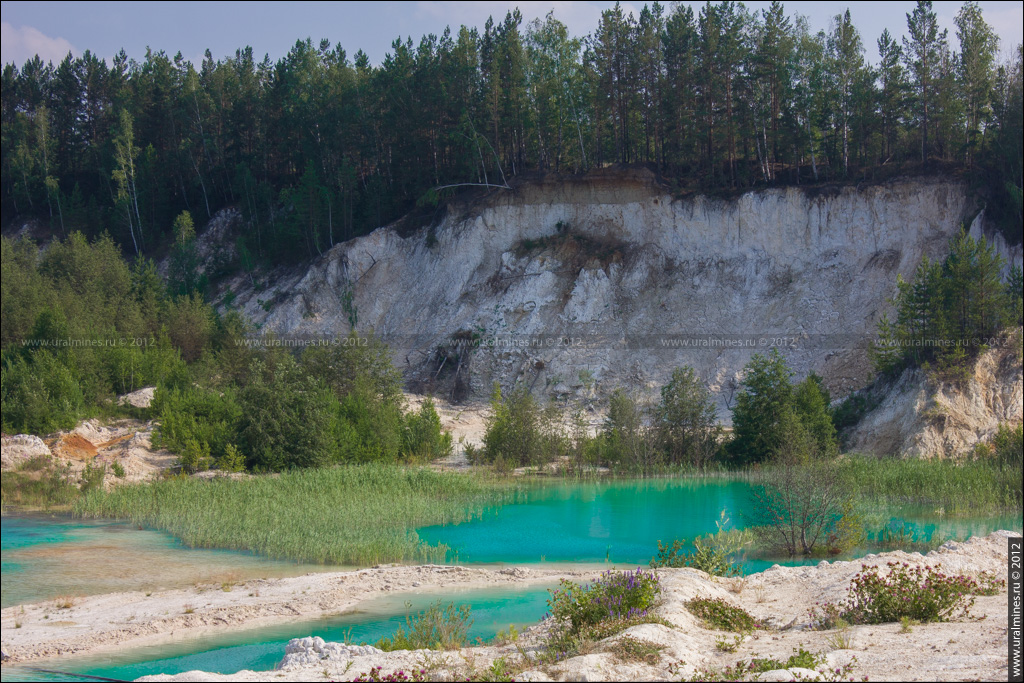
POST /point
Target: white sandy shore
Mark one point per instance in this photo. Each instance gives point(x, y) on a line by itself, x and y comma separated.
point(966, 649)
point(123, 620)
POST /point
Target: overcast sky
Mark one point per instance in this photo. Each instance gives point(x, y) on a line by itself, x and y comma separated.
point(51, 29)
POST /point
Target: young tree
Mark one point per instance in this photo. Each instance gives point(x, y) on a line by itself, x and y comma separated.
point(800, 504)
point(685, 420)
point(764, 398)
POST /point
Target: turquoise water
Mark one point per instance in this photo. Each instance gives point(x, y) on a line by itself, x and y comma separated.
point(621, 522)
point(617, 522)
point(45, 557)
point(261, 649)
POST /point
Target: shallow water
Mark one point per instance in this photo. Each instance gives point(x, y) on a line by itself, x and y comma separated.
point(48, 557)
point(621, 522)
point(493, 610)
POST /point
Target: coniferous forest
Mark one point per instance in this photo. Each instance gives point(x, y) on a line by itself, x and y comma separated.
point(322, 145)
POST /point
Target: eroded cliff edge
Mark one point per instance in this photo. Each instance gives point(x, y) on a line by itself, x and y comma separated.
point(635, 280)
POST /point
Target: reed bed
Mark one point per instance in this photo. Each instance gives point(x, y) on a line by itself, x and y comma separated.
point(356, 515)
point(965, 487)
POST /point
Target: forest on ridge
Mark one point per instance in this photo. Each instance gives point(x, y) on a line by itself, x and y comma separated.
point(321, 146)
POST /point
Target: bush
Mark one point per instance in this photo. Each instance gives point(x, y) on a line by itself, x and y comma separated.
point(766, 398)
point(423, 436)
point(626, 440)
point(801, 506)
point(193, 414)
point(232, 460)
point(923, 594)
point(288, 419)
point(719, 615)
point(712, 553)
point(435, 628)
point(518, 431)
point(614, 596)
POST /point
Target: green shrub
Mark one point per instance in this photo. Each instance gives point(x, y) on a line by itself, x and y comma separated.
point(614, 596)
point(195, 456)
point(719, 615)
point(288, 418)
point(118, 470)
point(435, 628)
point(423, 437)
point(712, 553)
point(39, 395)
point(518, 431)
point(232, 460)
point(924, 594)
point(685, 420)
point(194, 414)
point(92, 477)
point(800, 658)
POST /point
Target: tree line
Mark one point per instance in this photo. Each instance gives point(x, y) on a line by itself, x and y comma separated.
point(321, 146)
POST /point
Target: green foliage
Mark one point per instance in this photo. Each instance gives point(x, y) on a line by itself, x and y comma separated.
point(39, 394)
point(195, 456)
point(801, 506)
point(628, 650)
point(800, 658)
point(118, 470)
point(969, 487)
point(685, 420)
point(423, 436)
point(719, 615)
point(614, 596)
point(712, 553)
point(39, 483)
point(435, 628)
point(1008, 445)
point(288, 418)
point(626, 442)
point(183, 277)
point(921, 593)
point(949, 311)
point(207, 419)
point(297, 143)
point(232, 460)
point(92, 477)
point(363, 514)
point(768, 405)
point(80, 326)
point(518, 432)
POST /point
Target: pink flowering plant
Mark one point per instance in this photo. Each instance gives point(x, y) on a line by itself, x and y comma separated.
point(400, 676)
point(923, 593)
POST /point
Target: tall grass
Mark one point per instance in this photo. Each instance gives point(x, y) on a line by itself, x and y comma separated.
point(960, 487)
point(358, 515)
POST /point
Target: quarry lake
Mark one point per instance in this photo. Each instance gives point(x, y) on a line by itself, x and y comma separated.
point(615, 522)
point(261, 649)
point(611, 523)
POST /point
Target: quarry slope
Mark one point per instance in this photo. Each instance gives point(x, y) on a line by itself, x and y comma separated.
point(579, 285)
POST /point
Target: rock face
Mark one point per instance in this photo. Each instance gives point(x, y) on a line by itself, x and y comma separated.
point(918, 417)
point(300, 652)
point(576, 286)
point(20, 448)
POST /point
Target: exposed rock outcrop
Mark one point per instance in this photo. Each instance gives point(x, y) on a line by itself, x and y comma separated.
point(21, 448)
point(579, 285)
point(921, 416)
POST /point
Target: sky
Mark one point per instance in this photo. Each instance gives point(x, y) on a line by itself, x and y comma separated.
point(52, 29)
